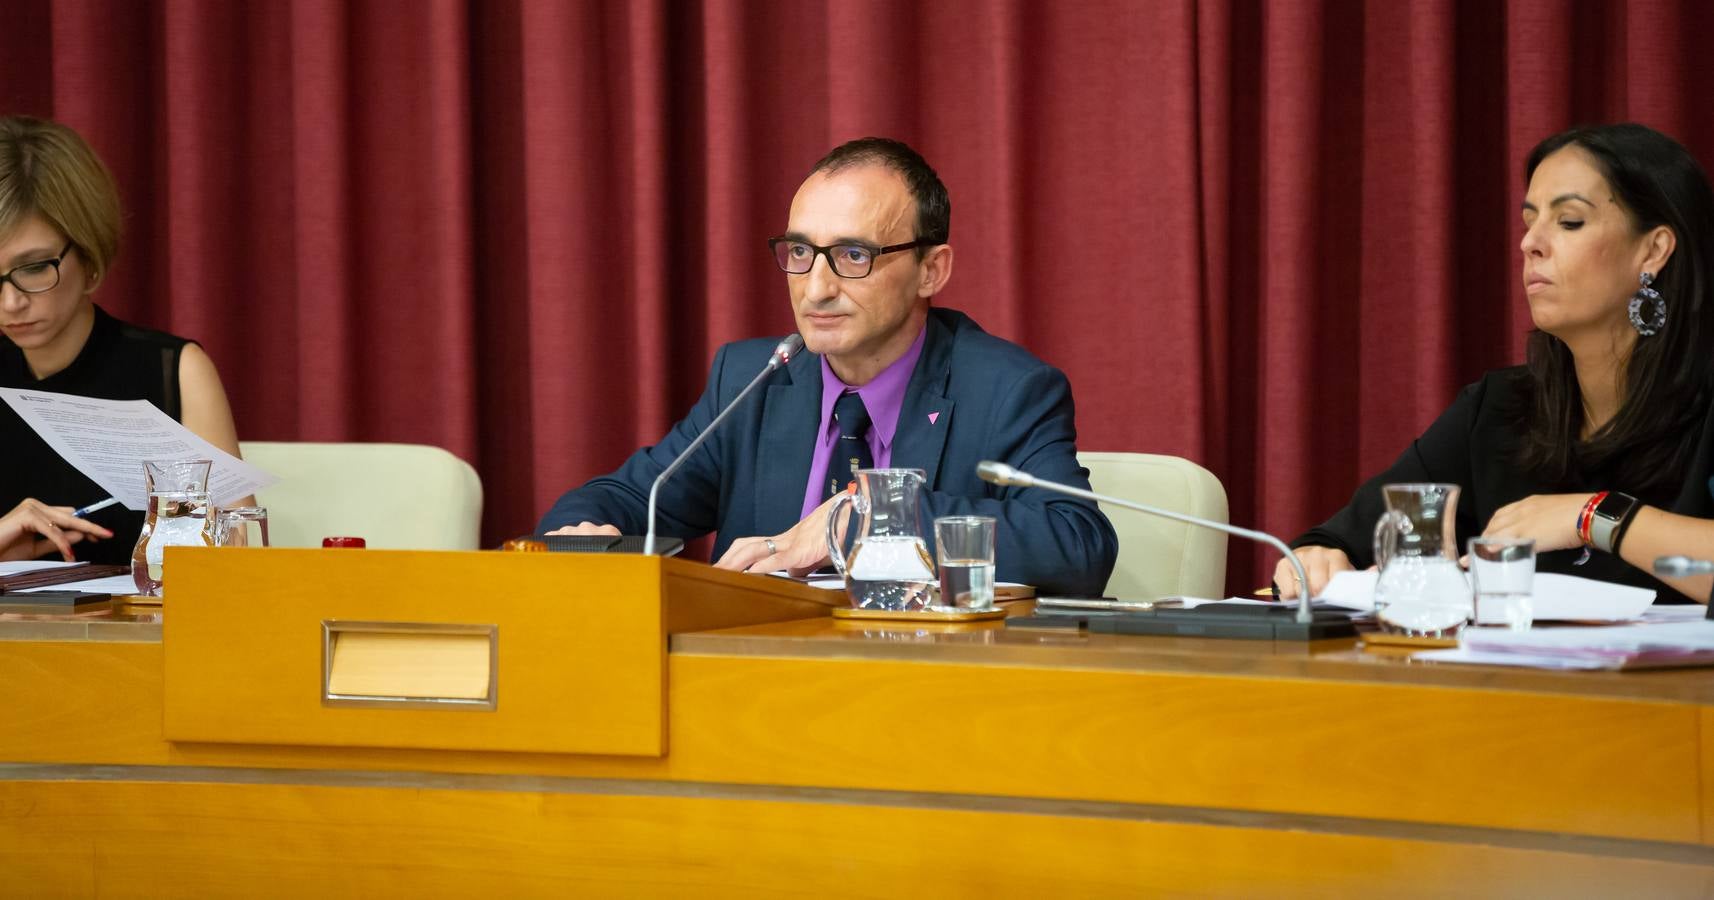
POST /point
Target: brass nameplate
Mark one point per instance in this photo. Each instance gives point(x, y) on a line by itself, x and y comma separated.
point(417, 665)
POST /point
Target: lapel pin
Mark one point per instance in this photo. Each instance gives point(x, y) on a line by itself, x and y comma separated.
point(932, 416)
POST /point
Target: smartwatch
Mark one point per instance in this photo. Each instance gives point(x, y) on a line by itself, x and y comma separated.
point(1611, 516)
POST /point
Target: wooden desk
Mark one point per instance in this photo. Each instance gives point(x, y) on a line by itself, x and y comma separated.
point(836, 758)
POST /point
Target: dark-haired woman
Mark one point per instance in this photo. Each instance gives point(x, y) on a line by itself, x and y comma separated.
point(1601, 447)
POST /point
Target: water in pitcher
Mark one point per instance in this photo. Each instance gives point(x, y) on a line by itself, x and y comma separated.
point(174, 519)
point(890, 572)
point(1427, 596)
point(1420, 591)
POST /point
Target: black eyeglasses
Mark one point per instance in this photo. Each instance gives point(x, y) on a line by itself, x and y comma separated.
point(849, 260)
point(37, 277)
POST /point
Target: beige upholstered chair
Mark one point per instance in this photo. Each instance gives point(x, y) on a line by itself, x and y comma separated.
point(394, 496)
point(1159, 557)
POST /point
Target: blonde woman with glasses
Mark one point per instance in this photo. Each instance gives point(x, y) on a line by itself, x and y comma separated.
point(59, 235)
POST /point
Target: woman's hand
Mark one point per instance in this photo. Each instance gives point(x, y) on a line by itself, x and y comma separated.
point(33, 528)
point(1549, 519)
point(1319, 563)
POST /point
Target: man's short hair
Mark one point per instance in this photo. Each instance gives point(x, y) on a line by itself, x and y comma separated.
point(934, 207)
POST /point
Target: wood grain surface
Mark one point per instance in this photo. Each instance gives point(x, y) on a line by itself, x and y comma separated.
point(198, 840)
point(1592, 766)
point(857, 759)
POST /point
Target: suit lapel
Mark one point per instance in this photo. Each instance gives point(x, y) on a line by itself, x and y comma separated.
point(787, 445)
point(926, 416)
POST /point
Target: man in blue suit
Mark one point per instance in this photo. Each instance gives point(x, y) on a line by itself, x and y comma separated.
point(888, 381)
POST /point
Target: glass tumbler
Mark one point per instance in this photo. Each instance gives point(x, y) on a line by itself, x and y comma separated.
point(1502, 571)
point(241, 526)
point(964, 546)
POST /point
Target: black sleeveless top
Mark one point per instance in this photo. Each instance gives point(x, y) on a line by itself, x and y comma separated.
point(118, 362)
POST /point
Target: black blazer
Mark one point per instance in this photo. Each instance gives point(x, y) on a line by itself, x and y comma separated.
point(1473, 445)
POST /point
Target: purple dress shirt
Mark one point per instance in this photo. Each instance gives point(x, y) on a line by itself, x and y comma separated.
point(883, 397)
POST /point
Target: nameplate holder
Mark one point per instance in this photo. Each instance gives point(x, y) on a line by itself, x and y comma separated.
point(410, 665)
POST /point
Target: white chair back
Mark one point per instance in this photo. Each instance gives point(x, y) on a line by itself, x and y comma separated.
point(394, 496)
point(1160, 557)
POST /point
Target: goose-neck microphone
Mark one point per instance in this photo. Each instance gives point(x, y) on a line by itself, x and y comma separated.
point(783, 353)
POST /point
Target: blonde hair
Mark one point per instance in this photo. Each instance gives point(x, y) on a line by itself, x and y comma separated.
point(47, 169)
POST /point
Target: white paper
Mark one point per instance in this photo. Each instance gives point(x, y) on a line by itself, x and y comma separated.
point(1194, 602)
point(1603, 641)
point(19, 567)
point(1477, 657)
point(1674, 612)
point(1605, 647)
point(1557, 597)
point(113, 584)
point(108, 440)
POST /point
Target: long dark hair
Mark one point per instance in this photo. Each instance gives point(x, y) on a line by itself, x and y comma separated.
point(1666, 383)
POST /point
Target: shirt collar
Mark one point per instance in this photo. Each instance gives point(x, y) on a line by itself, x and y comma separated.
point(883, 396)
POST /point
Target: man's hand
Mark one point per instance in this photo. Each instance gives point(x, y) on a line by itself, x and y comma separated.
point(586, 527)
point(1550, 519)
point(56, 526)
point(1319, 563)
point(800, 551)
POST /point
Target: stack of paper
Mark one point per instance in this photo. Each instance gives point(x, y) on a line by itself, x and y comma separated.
point(1607, 647)
point(19, 567)
point(115, 584)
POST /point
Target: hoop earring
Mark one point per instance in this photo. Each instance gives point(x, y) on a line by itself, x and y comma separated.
point(1657, 314)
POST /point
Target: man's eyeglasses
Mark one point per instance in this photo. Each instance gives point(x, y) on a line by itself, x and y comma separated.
point(37, 277)
point(849, 260)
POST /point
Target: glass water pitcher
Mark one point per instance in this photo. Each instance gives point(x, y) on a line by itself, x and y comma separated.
point(178, 514)
point(889, 566)
point(1420, 591)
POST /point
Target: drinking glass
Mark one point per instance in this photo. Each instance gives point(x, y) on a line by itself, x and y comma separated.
point(964, 546)
point(241, 526)
point(1502, 571)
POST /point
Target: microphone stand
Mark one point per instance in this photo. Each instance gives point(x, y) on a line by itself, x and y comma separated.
point(1217, 621)
point(783, 352)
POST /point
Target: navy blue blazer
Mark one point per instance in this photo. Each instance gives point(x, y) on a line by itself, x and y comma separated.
point(995, 401)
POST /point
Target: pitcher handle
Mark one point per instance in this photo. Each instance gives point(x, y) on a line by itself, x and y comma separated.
point(833, 550)
point(1388, 529)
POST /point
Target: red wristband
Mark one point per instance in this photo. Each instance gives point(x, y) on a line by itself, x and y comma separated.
point(1587, 516)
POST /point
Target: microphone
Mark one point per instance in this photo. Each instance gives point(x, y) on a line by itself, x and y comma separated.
point(1681, 566)
point(1009, 476)
point(783, 353)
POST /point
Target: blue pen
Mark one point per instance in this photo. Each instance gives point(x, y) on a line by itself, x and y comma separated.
point(95, 507)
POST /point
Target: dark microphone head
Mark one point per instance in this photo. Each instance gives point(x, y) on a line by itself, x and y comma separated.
point(785, 350)
point(1002, 474)
point(1680, 566)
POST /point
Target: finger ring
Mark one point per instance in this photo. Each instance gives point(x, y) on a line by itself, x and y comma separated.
point(771, 548)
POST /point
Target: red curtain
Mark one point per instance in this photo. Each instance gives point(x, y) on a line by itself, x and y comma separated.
point(1271, 237)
